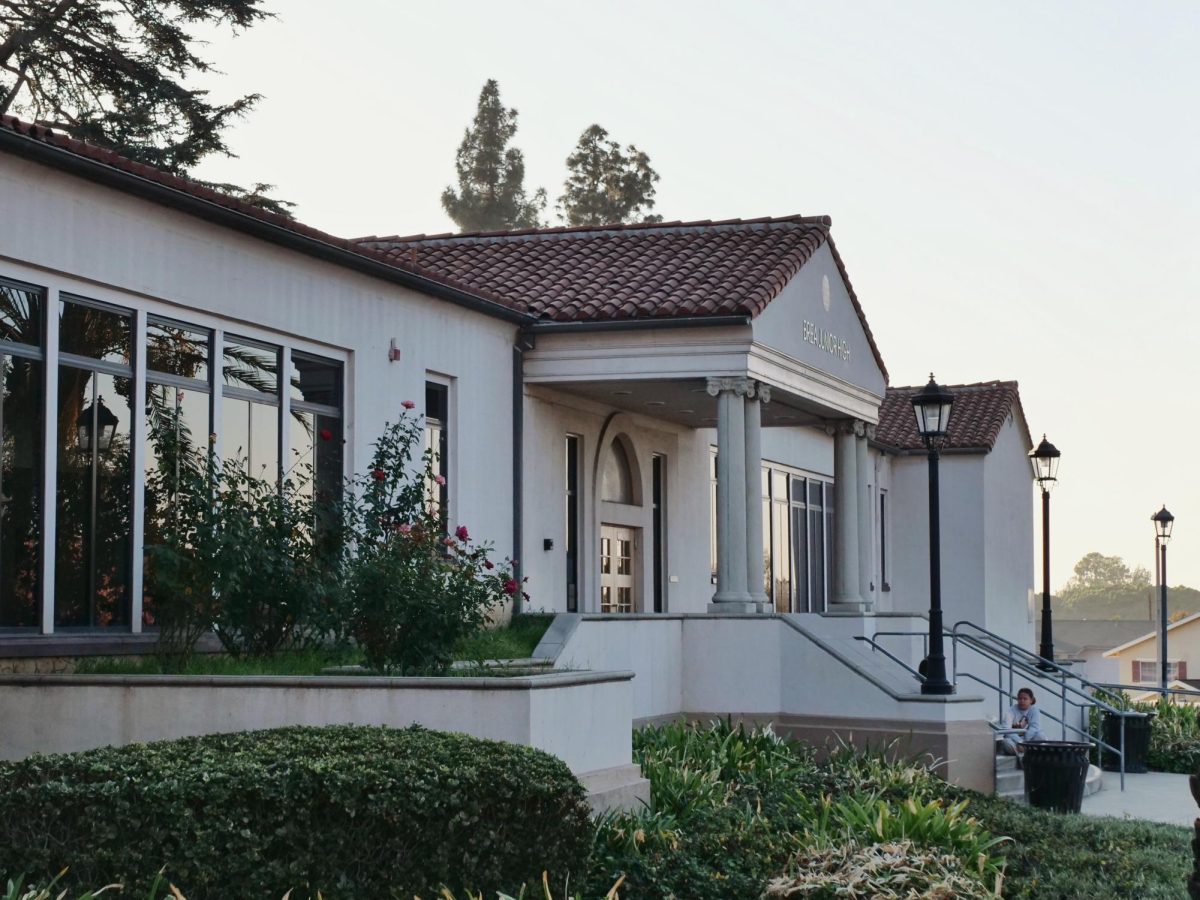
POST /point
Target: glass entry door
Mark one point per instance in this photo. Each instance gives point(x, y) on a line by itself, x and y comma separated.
point(617, 554)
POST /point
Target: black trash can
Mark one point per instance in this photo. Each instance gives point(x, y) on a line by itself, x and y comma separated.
point(1137, 741)
point(1055, 774)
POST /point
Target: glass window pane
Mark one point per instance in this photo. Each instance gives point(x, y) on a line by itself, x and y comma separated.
point(779, 485)
point(20, 314)
point(20, 507)
point(814, 493)
point(93, 496)
point(176, 429)
point(315, 380)
point(798, 492)
point(765, 567)
point(616, 481)
point(177, 349)
point(800, 558)
point(102, 334)
point(316, 464)
point(816, 560)
point(780, 569)
point(250, 433)
point(248, 365)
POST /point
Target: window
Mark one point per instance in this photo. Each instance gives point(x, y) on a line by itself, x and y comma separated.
point(1146, 671)
point(797, 523)
point(883, 522)
point(22, 418)
point(250, 406)
point(658, 490)
point(315, 426)
point(94, 489)
point(616, 479)
point(572, 521)
point(437, 417)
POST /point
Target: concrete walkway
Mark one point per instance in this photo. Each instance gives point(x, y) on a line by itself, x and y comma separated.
point(1154, 797)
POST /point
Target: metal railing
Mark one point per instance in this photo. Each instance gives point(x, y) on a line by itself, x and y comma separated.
point(1076, 696)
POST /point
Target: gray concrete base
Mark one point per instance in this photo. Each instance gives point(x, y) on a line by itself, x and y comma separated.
point(848, 607)
point(622, 788)
point(733, 607)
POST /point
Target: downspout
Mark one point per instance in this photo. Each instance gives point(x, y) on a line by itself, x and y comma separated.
point(524, 341)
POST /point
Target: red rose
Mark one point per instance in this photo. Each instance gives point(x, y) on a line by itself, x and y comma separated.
point(379, 475)
point(487, 564)
point(326, 434)
point(461, 533)
point(510, 587)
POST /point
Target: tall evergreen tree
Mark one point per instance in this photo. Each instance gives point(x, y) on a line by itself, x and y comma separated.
point(113, 73)
point(606, 184)
point(491, 175)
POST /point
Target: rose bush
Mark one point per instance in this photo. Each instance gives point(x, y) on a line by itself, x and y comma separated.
point(412, 590)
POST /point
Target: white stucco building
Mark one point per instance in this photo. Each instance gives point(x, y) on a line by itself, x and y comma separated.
point(662, 419)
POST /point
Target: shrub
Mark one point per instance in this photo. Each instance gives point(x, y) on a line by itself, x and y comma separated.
point(412, 591)
point(349, 811)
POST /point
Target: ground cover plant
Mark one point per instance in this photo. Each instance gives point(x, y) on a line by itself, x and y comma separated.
point(349, 811)
point(736, 813)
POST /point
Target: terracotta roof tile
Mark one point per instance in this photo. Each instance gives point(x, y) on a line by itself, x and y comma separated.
point(638, 271)
point(978, 414)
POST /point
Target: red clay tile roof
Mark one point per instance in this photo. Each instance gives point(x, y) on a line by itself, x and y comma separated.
point(978, 414)
point(632, 272)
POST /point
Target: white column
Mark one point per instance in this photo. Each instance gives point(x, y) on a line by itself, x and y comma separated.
point(865, 543)
point(731, 593)
point(847, 596)
point(756, 396)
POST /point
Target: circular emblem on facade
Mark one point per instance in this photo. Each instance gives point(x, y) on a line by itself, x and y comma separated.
point(825, 292)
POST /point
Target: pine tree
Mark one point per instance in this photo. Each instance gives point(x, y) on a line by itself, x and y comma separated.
point(113, 73)
point(491, 175)
point(605, 184)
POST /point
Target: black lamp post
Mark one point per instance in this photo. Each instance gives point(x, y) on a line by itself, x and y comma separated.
point(1045, 470)
point(1163, 522)
point(932, 408)
point(96, 420)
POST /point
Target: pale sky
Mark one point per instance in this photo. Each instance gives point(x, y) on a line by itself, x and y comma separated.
point(1014, 186)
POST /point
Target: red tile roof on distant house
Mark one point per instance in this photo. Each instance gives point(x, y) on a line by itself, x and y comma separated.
point(642, 272)
point(978, 414)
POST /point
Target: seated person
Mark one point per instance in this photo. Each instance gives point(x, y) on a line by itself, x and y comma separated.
point(1024, 714)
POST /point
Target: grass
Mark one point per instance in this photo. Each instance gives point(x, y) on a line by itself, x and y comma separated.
point(516, 640)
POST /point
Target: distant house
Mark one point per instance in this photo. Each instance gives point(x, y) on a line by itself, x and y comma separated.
point(1138, 659)
point(1087, 641)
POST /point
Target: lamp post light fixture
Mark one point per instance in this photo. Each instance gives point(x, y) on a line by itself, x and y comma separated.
point(932, 405)
point(1045, 470)
point(99, 421)
point(1163, 522)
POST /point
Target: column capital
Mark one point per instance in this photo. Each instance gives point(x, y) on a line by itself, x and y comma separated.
point(869, 431)
point(762, 391)
point(845, 426)
point(741, 386)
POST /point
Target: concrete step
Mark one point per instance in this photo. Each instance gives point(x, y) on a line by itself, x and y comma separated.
point(622, 788)
point(1010, 781)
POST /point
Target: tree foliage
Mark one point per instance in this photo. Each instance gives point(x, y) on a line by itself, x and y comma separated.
point(606, 184)
point(114, 72)
point(491, 175)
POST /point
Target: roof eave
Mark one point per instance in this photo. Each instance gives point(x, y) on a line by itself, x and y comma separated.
point(65, 160)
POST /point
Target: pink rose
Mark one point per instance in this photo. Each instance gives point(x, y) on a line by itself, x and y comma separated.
point(448, 541)
point(408, 404)
point(511, 587)
point(461, 533)
point(439, 479)
point(405, 528)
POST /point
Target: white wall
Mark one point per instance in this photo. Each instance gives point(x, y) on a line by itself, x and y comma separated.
point(75, 235)
point(1009, 536)
point(781, 325)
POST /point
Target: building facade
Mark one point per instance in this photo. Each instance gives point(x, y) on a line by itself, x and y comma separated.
point(670, 418)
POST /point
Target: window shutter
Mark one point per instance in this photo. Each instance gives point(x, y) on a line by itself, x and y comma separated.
point(1182, 669)
point(1137, 672)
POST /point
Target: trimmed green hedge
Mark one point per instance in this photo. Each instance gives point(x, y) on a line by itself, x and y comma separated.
point(350, 811)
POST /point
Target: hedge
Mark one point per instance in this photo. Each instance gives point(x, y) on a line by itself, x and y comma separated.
point(350, 811)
